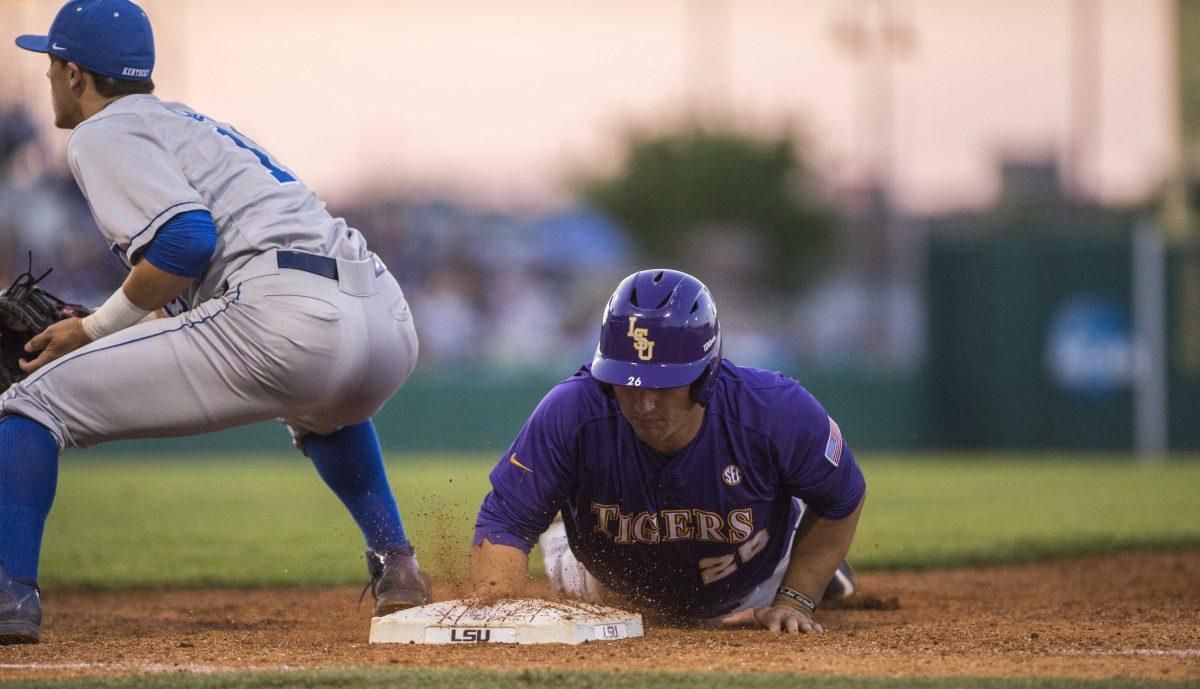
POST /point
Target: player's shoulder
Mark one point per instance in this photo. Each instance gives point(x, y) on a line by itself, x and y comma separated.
point(572, 404)
point(767, 401)
point(135, 113)
point(131, 116)
point(577, 399)
point(101, 132)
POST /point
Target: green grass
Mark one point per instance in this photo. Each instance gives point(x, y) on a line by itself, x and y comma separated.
point(472, 679)
point(247, 521)
point(945, 511)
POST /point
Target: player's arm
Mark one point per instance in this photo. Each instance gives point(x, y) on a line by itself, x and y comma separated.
point(530, 484)
point(505, 531)
point(146, 205)
point(498, 570)
point(177, 255)
point(510, 521)
point(818, 548)
point(816, 466)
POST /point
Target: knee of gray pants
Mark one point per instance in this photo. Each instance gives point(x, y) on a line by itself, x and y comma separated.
point(19, 400)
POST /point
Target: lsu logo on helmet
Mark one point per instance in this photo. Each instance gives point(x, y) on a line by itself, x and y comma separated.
point(641, 341)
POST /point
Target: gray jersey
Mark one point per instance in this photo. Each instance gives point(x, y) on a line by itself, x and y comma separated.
point(261, 340)
point(142, 161)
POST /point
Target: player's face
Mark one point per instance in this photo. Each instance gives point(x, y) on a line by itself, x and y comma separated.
point(666, 419)
point(67, 110)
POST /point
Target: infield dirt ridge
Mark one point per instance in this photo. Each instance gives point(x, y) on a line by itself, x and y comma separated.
point(1127, 615)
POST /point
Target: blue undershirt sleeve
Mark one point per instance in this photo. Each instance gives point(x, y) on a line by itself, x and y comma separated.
point(184, 245)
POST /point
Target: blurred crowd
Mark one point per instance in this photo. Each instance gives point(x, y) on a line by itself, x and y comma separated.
point(490, 291)
point(506, 291)
point(497, 290)
point(43, 213)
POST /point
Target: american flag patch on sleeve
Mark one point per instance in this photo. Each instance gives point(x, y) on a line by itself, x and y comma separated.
point(833, 447)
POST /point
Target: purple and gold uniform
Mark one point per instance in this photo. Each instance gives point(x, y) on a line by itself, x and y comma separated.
point(689, 535)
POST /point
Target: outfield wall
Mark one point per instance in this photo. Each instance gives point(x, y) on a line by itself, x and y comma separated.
point(461, 412)
point(1032, 345)
point(1036, 342)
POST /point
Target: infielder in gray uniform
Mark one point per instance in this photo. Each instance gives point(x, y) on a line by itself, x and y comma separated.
point(271, 309)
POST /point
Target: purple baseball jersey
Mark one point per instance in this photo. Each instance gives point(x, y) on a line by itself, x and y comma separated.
point(689, 535)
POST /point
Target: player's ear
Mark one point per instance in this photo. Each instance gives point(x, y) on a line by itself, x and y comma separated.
point(76, 78)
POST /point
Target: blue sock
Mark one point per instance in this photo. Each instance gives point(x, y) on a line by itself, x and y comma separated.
point(28, 480)
point(351, 463)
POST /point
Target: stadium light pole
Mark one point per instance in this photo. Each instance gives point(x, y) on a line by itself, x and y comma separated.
point(1177, 215)
point(1151, 416)
point(708, 77)
point(1087, 51)
point(875, 36)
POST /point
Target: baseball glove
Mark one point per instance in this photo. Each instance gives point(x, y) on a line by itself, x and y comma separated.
point(25, 311)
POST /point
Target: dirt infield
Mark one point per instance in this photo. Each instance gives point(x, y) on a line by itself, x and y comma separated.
point(1130, 615)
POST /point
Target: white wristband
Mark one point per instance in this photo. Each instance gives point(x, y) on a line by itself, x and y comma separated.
point(116, 314)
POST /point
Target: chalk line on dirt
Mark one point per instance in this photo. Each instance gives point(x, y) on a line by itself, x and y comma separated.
point(147, 667)
point(1179, 652)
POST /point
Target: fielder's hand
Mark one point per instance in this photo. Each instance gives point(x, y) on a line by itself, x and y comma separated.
point(54, 342)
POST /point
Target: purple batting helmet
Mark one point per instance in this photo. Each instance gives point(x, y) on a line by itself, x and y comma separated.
point(660, 331)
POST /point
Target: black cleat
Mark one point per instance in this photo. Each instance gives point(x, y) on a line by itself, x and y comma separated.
point(842, 585)
point(396, 581)
point(20, 610)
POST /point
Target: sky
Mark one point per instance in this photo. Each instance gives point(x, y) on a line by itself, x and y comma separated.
point(503, 102)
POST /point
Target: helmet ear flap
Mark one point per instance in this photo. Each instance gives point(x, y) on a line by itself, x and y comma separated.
point(696, 389)
point(701, 388)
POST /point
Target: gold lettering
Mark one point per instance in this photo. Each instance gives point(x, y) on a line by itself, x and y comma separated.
point(708, 527)
point(623, 537)
point(604, 514)
point(641, 341)
point(741, 524)
point(641, 533)
point(754, 546)
point(716, 568)
point(678, 524)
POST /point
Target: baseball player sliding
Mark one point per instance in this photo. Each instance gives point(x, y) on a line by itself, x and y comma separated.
point(687, 485)
point(274, 309)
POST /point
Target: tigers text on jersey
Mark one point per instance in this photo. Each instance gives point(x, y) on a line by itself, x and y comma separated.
point(690, 534)
point(142, 161)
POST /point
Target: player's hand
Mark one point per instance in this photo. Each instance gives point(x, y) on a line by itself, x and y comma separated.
point(780, 617)
point(54, 342)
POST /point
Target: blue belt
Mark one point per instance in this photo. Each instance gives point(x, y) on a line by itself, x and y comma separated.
point(310, 263)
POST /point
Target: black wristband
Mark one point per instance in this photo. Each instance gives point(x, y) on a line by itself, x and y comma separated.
point(800, 598)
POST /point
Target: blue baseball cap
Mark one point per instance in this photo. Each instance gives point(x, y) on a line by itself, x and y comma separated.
point(109, 37)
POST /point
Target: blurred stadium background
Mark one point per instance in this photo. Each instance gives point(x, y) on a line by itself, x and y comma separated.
point(962, 224)
point(970, 227)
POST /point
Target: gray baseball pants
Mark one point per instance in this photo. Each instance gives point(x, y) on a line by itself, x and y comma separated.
point(316, 353)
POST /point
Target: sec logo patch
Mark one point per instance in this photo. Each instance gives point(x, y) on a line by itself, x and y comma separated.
point(732, 475)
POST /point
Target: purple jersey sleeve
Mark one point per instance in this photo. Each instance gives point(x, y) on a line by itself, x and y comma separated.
point(816, 465)
point(531, 482)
